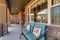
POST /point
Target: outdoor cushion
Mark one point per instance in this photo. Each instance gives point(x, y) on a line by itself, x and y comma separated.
point(42, 38)
point(30, 36)
point(42, 26)
point(25, 31)
point(28, 27)
point(37, 32)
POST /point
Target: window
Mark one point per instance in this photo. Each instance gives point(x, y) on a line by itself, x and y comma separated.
point(42, 16)
point(28, 17)
point(32, 17)
point(39, 11)
point(28, 14)
point(38, 8)
point(44, 5)
point(56, 15)
point(33, 14)
point(55, 2)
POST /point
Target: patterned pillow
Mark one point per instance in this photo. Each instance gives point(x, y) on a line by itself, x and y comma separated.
point(37, 32)
point(28, 27)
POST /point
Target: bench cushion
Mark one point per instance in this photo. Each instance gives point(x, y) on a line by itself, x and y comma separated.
point(30, 36)
point(42, 26)
point(25, 31)
point(42, 38)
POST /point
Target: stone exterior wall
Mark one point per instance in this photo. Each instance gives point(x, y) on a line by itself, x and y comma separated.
point(3, 16)
point(52, 33)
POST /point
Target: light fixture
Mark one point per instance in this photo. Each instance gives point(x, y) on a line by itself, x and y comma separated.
point(16, 8)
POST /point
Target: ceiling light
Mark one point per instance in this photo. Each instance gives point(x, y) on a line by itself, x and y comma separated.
point(16, 8)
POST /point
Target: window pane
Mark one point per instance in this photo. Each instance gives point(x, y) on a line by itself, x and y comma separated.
point(55, 1)
point(56, 15)
point(42, 16)
point(32, 17)
point(28, 18)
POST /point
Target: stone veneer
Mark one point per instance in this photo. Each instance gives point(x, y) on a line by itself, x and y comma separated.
point(52, 33)
point(4, 17)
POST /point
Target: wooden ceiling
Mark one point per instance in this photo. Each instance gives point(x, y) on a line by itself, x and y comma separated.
point(16, 6)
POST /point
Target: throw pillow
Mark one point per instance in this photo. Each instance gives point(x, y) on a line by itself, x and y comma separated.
point(37, 32)
point(28, 27)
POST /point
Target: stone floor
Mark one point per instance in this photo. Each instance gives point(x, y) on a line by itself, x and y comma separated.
point(14, 33)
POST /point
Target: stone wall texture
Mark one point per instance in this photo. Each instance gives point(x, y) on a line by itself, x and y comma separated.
point(52, 33)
